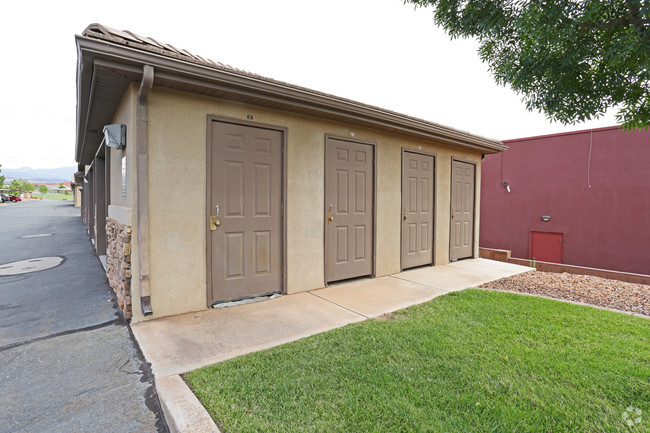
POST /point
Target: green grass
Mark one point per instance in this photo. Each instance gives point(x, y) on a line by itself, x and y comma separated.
point(54, 196)
point(472, 361)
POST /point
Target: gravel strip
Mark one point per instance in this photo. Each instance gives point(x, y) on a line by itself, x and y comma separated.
point(618, 295)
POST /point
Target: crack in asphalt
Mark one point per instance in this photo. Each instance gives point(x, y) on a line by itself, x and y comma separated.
point(59, 334)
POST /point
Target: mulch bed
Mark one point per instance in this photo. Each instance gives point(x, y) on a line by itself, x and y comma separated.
point(614, 294)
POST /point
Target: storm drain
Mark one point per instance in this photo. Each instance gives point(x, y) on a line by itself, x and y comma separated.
point(40, 235)
point(30, 265)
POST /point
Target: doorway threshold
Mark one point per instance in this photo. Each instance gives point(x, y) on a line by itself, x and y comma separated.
point(246, 301)
point(352, 280)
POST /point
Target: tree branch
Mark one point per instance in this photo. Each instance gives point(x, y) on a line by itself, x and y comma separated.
point(619, 22)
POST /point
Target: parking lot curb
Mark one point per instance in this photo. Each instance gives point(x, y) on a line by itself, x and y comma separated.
point(183, 411)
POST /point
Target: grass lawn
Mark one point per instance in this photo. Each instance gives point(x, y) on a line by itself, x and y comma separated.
point(471, 361)
point(55, 196)
point(39, 196)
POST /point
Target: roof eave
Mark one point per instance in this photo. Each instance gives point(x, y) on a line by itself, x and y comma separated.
point(90, 49)
point(82, 102)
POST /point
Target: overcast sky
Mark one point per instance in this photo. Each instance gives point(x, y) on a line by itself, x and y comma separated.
point(380, 52)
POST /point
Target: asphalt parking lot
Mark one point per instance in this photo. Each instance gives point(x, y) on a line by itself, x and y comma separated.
point(68, 360)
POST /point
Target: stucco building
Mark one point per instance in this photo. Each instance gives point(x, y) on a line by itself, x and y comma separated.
point(215, 184)
point(579, 198)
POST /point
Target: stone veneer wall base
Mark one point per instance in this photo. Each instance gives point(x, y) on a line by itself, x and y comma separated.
point(118, 263)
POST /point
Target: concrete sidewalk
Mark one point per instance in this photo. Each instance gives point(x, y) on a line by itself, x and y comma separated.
point(178, 344)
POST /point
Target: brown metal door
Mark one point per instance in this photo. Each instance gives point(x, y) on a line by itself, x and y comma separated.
point(417, 209)
point(349, 206)
point(462, 210)
point(246, 184)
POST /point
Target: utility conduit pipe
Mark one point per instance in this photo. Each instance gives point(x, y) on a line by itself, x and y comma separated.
point(143, 190)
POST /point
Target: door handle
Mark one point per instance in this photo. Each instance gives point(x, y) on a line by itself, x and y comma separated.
point(330, 217)
point(214, 219)
point(404, 214)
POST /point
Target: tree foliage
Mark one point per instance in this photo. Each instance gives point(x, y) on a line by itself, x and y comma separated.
point(43, 189)
point(16, 186)
point(2, 178)
point(571, 59)
point(19, 186)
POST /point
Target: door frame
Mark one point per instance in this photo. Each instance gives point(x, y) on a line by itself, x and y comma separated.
point(374, 200)
point(90, 213)
point(99, 185)
point(208, 207)
point(433, 208)
point(451, 189)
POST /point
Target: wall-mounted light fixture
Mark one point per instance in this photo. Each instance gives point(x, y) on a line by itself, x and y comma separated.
point(546, 218)
point(506, 186)
point(115, 135)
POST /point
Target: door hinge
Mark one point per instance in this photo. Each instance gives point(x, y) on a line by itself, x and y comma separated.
point(281, 270)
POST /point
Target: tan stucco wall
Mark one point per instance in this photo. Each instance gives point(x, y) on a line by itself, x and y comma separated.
point(120, 209)
point(77, 195)
point(177, 168)
point(176, 140)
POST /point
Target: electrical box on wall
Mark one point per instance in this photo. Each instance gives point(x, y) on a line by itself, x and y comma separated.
point(115, 136)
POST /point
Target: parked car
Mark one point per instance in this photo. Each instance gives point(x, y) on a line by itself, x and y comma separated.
point(3, 197)
point(15, 198)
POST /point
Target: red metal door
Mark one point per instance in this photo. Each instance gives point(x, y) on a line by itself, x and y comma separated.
point(546, 247)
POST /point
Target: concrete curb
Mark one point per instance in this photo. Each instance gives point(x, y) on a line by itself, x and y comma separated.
point(183, 411)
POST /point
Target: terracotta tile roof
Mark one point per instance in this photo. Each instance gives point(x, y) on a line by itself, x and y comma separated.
point(128, 38)
point(131, 39)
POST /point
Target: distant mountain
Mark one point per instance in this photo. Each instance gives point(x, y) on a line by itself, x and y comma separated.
point(62, 174)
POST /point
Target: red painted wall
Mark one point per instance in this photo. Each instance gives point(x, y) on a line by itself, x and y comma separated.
point(595, 185)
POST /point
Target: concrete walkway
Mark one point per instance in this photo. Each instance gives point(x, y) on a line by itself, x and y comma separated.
point(178, 344)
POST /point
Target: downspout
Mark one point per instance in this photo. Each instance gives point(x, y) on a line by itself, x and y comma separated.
point(143, 190)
